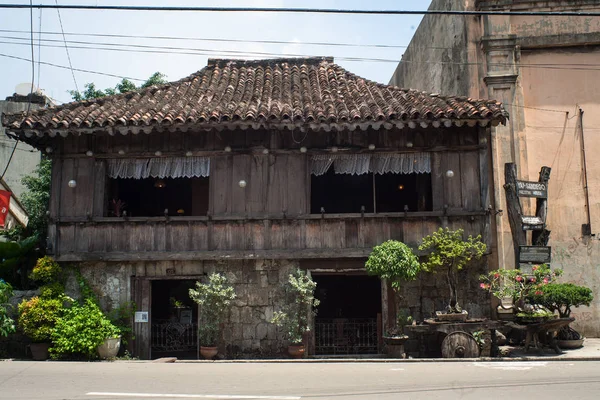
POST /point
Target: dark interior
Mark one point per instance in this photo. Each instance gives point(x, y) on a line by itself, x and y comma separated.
point(151, 197)
point(348, 296)
point(345, 193)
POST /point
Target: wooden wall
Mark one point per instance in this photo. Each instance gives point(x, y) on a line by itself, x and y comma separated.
point(272, 211)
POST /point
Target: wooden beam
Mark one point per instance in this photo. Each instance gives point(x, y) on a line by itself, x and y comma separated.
point(217, 255)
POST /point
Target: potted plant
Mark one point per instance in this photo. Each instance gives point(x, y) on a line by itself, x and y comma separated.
point(37, 320)
point(81, 330)
point(447, 250)
point(394, 261)
point(561, 297)
point(299, 307)
point(214, 299)
point(520, 288)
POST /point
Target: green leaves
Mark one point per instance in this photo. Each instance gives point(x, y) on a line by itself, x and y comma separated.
point(446, 248)
point(299, 304)
point(7, 325)
point(80, 331)
point(214, 299)
point(38, 317)
point(562, 296)
point(91, 92)
point(394, 261)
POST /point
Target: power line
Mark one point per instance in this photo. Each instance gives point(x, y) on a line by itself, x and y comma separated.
point(75, 69)
point(301, 10)
point(66, 47)
point(221, 40)
point(122, 47)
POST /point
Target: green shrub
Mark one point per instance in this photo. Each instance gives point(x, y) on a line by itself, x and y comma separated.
point(214, 299)
point(562, 296)
point(38, 317)
point(52, 291)
point(394, 261)
point(46, 270)
point(7, 325)
point(299, 305)
point(80, 331)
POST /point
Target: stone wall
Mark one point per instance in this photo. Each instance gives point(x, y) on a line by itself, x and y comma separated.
point(248, 332)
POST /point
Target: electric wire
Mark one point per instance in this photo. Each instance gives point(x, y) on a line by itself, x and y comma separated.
point(300, 10)
point(30, 92)
point(122, 47)
point(66, 47)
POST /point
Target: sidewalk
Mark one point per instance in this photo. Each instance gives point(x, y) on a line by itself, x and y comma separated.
point(589, 352)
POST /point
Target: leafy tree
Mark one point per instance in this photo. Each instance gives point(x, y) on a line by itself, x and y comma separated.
point(394, 261)
point(91, 92)
point(447, 250)
point(35, 201)
point(16, 260)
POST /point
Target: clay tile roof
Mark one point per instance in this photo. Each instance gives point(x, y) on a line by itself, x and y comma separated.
point(273, 93)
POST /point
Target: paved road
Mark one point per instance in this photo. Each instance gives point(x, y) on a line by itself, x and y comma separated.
point(295, 381)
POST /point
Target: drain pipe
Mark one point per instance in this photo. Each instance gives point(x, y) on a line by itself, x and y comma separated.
point(586, 229)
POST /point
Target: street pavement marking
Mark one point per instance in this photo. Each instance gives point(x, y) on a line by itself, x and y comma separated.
point(193, 396)
point(397, 369)
point(511, 365)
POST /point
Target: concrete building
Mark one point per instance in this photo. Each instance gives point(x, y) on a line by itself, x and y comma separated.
point(546, 71)
point(26, 158)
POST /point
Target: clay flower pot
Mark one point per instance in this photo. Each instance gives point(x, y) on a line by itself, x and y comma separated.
point(296, 350)
point(39, 351)
point(208, 352)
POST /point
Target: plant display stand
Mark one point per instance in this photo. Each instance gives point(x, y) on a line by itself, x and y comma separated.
point(542, 332)
point(459, 343)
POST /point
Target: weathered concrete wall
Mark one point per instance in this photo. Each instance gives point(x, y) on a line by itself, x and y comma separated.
point(442, 55)
point(554, 139)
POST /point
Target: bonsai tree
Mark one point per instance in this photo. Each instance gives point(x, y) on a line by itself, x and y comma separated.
point(299, 306)
point(214, 299)
point(447, 250)
point(514, 284)
point(7, 325)
point(394, 261)
point(560, 297)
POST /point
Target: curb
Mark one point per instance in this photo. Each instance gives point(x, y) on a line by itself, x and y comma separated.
point(390, 360)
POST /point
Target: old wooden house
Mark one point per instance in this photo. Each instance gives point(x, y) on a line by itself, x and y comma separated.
point(254, 169)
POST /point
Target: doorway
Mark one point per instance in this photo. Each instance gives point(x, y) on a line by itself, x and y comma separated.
point(349, 314)
point(174, 319)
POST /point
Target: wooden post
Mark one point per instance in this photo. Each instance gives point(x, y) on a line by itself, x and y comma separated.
point(513, 206)
point(540, 238)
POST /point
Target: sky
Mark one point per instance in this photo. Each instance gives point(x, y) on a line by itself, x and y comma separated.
point(141, 62)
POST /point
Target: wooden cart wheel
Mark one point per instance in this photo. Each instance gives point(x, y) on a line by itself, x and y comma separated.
point(460, 345)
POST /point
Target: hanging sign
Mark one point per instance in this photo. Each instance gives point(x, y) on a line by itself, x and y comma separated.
point(535, 254)
point(532, 223)
point(532, 189)
point(4, 206)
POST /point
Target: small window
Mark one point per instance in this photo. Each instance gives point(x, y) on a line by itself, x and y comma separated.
point(341, 193)
point(150, 197)
point(349, 193)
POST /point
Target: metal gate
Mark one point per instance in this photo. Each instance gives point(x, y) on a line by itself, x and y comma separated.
point(346, 336)
point(174, 336)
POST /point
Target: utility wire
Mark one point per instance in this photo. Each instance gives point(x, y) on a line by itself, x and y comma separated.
point(66, 47)
point(30, 92)
point(180, 38)
point(75, 69)
point(121, 47)
point(301, 10)
point(39, 49)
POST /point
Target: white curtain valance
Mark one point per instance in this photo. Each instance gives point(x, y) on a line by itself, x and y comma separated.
point(357, 164)
point(167, 167)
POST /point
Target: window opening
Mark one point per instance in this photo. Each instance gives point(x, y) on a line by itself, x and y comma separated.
point(150, 197)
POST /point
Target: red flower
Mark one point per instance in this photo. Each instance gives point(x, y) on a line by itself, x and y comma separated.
point(546, 280)
point(533, 280)
point(535, 267)
point(496, 275)
point(519, 278)
point(538, 292)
